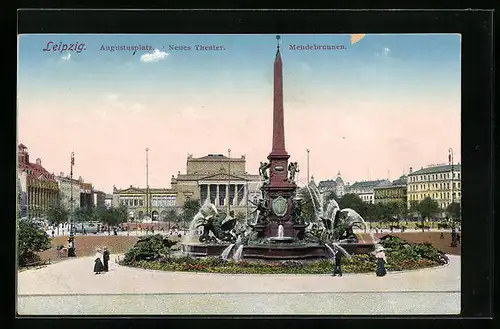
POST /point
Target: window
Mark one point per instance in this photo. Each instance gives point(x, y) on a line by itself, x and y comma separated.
point(135, 202)
point(458, 175)
point(458, 185)
point(141, 203)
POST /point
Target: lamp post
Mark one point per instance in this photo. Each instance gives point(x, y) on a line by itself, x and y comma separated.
point(453, 229)
point(71, 240)
point(308, 166)
point(229, 183)
point(147, 183)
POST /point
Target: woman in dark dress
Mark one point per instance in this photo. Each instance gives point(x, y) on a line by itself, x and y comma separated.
point(98, 266)
point(381, 260)
point(105, 257)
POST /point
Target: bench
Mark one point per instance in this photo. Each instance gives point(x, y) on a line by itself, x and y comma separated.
point(38, 264)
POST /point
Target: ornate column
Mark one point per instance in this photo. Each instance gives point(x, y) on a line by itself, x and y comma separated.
point(227, 200)
point(209, 195)
point(245, 193)
point(217, 195)
point(235, 197)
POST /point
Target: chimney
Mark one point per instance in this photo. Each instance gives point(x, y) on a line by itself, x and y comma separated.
point(39, 161)
point(411, 170)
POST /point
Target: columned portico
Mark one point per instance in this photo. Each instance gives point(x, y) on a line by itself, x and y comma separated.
point(235, 193)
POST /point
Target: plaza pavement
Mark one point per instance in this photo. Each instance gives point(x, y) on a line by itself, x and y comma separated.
point(71, 288)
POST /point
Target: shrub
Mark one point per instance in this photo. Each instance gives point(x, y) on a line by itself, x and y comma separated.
point(401, 255)
point(149, 248)
point(31, 239)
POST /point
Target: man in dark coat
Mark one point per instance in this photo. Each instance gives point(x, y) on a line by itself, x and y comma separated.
point(337, 269)
point(105, 258)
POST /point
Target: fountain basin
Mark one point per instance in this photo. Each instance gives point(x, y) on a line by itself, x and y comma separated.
point(283, 239)
point(275, 251)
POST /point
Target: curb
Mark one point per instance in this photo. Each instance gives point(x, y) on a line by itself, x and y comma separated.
point(287, 274)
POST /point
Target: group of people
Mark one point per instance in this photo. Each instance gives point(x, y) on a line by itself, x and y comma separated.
point(379, 255)
point(101, 260)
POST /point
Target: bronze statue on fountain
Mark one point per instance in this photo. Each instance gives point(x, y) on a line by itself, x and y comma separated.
point(220, 225)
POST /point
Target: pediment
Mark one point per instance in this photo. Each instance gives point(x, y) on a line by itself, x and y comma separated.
point(131, 190)
point(222, 176)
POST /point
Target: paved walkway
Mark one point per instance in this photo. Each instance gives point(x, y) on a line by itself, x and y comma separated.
point(72, 288)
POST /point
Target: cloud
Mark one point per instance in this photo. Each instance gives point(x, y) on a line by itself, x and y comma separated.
point(112, 97)
point(386, 52)
point(66, 56)
point(155, 56)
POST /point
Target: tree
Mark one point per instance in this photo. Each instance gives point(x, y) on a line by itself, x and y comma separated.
point(190, 208)
point(330, 195)
point(57, 214)
point(98, 213)
point(30, 240)
point(427, 208)
point(83, 214)
point(354, 202)
point(453, 210)
point(413, 207)
point(308, 212)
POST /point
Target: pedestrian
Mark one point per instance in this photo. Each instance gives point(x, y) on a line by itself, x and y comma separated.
point(337, 262)
point(71, 247)
point(105, 258)
point(53, 233)
point(458, 237)
point(441, 236)
point(98, 265)
point(84, 231)
point(381, 261)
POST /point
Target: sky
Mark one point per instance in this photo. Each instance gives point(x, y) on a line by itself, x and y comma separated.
point(371, 110)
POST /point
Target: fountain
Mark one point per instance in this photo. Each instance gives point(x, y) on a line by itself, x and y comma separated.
point(279, 230)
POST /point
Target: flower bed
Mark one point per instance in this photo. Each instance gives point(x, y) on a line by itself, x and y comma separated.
point(401, 256)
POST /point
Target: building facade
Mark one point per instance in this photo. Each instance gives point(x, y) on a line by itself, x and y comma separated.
point(331, 185)
point(39, 188)
point(365, 189)
point(161, 201)
point(108, 201)
point(99, 198)
point(217, 179)
point(441, 183)
point(396, 192)
point(86, 194)
point(65, 185)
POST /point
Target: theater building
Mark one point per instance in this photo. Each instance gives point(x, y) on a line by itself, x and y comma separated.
point(217, 179)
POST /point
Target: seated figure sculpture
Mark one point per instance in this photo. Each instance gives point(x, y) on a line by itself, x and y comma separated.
point(215, 222)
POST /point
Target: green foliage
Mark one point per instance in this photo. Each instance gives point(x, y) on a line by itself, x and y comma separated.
point(114, 216)
point(453, 211)
point(308, 212)
point(399, 251)
point(401, 255)
point(149, 248)
point(413, 207)
point(83, 214)
point(359, 263)
point(331, 195)
point(31, 239)
point(354, 202)
point(427, 208)
point(57, 214)
point(190, 208)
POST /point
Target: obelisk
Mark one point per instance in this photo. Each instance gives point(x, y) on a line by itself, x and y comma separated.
point(279, 189)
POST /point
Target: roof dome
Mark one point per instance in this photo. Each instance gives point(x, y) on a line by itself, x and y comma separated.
point(339, 178)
